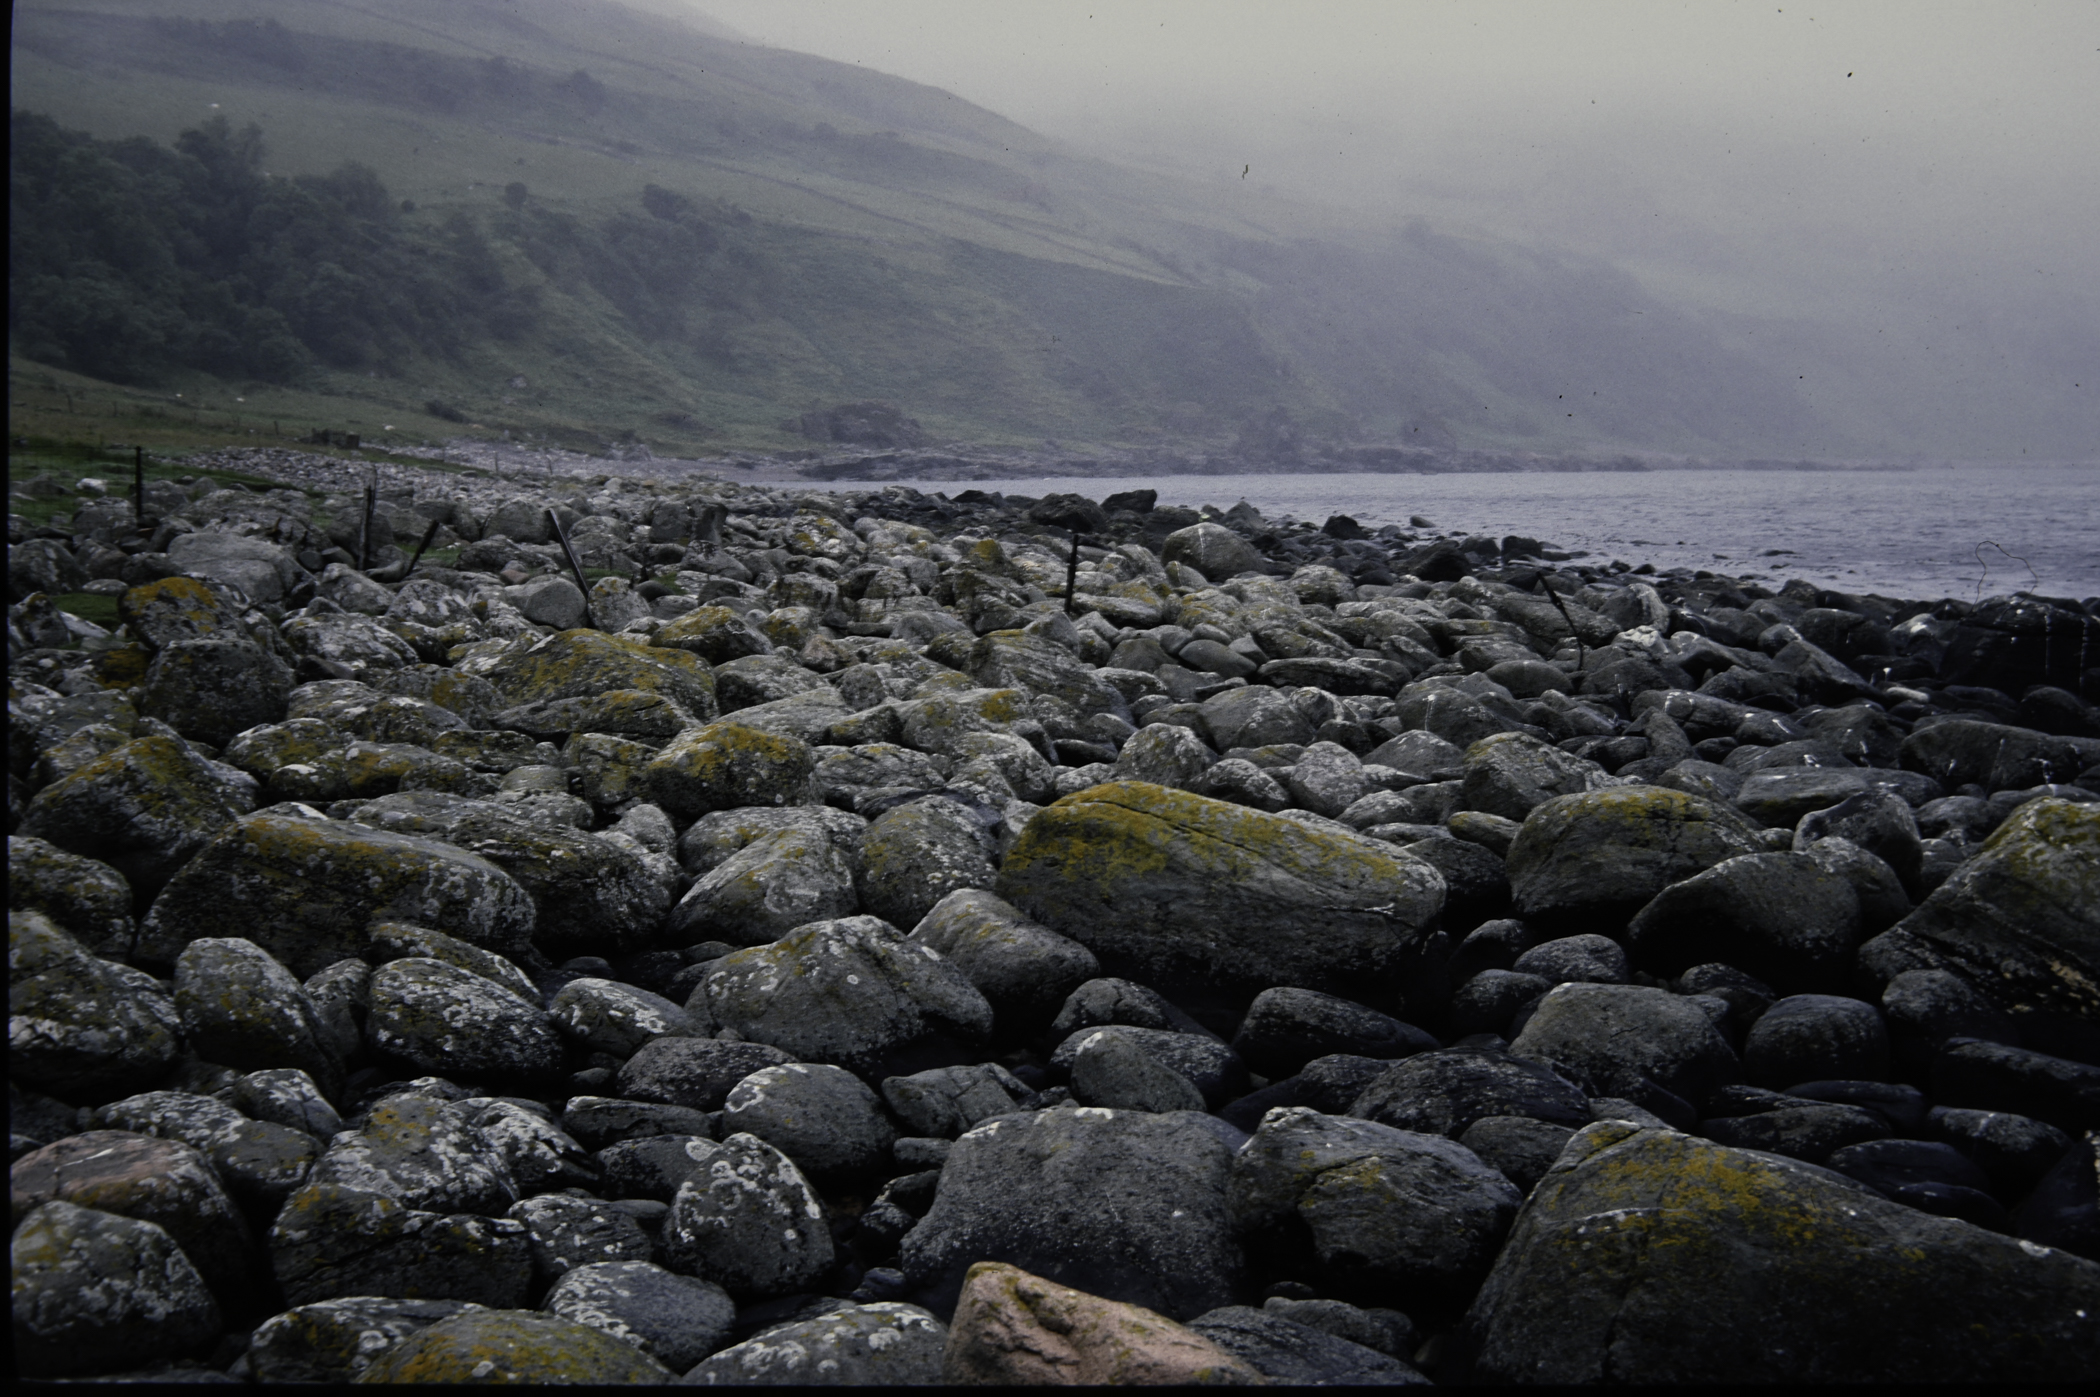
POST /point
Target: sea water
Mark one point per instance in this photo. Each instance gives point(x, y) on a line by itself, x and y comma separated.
point(1926, 533)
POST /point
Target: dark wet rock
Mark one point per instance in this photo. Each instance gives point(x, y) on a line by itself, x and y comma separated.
point(2013, 1151)
point(1882, 899)
point(854, 992)
point(1285, 1351)
point(1642, 1302)
point(778, 881)
point(943, 1102)
point(822, 1117)
point(1517, 1147)
point(1629, 1041)
point(695, 1073)
point(336, 1340)
point(1286, 1028)
point(1592, 860)
point(1587, 959)
point(1025, 1190)
point(1367, 1206)
point(1926, 1008)
point(79, 1026)
point(210, 690)
point(2064, 1209)
point(886, 1344)
point(1811, 1131)
point(1876, 820)
point(1213, 1067)
point(1960, 752)
point(1445, 1092)
point(1778, 916)
point(747, 1220)
point(1489, 1001)
point(98, 1293)
point(1816, 1037)
point(1511, 774)
point(1476, 882)
point(306, 891)
point(1109, 1069)
point(260, 1161)
point(598, 1121)
point(1969, 1072)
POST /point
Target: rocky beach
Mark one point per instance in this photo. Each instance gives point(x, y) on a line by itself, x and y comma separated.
point(743, 933)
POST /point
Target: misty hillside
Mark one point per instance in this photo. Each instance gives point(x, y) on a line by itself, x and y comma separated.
point(570, 216)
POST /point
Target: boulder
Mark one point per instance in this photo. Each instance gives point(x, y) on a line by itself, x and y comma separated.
point(307, 891)
point(444, 1019)
point(1213, 550)
point(1024, 970)
point(694, 1073)
point(1588, 862)
point(853, 992)
point(1286, 1028)
point(726, 766)
point(582, 663)
point(1961, 752)
point(748, 1221)
point(886, 1344)
point(1368, 1208)
point(240, 1007)
point(1511, 774)
point(81, 1027)
point(2020, 919)
point(1286, 1351)
point(1254, 717)
point(1629, 1040)
point(97, 1293)
point(336, 1340)
point(675, 1319)
point(1610, 1274)
point(1181, 889)
point(1110, 1069)
point(145, 809)
point(514, 1346)
point(1034, 1191)
point(210, 690)
point(336, 1239)
point(564, 1232)
point(1014, 1328)
point(1778, 916)
point(83, 897)
point(1445, 1092)
point(605, 1016)
point(918, 853)
point(822, 1117)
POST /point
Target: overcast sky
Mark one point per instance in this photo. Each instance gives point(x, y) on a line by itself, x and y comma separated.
point(1758, 153)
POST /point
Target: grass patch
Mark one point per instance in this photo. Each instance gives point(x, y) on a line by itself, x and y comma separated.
point(90, 606)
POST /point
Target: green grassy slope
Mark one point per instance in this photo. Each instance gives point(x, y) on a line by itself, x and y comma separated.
point(874, 238)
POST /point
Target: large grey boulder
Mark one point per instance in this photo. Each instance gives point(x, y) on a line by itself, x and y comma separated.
point(444, 1019)
point(1022, 968)
point(1181, 889)
point(747, 1220)
point(145, 809)
point(853, 992)
point(2020, 919)
point(1445, 1092)
point(1588, 862)
point(239, 1006)
point(211, 690)
point(79, 1026)
point(1367, 1208)
point(824, 1118)
point(308, 891)
point(677, 1320)
point(1512, 773)
point(1780, 916)
point(1628, 1040)
point(1036, 1190)
point(919, 853)
point(887, 1344)
point(1615, 1271)
point(1213, 550)
point(98, 1293)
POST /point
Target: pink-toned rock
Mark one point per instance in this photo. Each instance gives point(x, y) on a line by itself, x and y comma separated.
point(1011, 1327)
